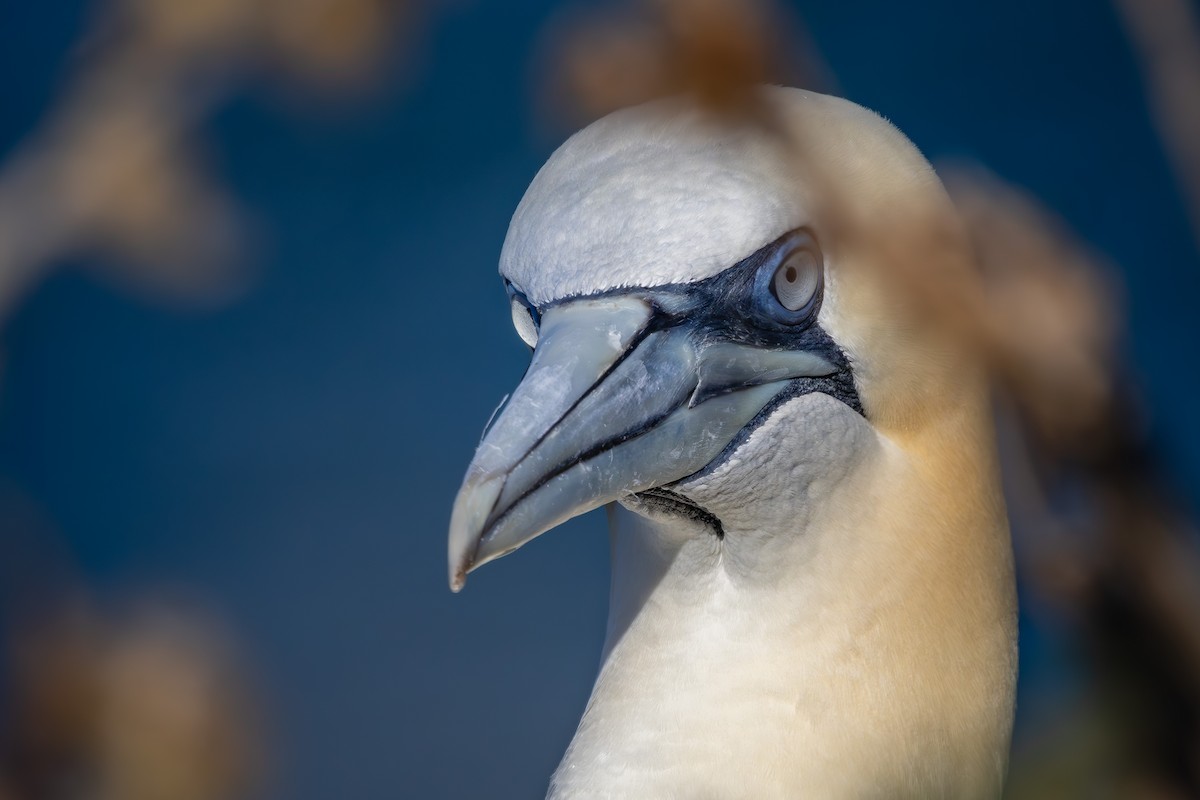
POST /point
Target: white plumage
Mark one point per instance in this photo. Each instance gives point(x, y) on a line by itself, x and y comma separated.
point(822, 605)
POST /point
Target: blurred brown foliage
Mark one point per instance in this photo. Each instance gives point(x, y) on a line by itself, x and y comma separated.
point(116, 167)
point(1166, 36)
point(710, 49)
point(151, 703)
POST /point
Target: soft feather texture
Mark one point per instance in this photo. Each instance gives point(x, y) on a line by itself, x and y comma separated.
point(853, 634)
point(647, 196)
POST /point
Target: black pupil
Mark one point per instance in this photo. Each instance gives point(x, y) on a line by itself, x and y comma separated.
point(790, 274)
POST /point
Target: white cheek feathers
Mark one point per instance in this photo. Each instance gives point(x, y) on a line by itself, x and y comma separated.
point(787, 469)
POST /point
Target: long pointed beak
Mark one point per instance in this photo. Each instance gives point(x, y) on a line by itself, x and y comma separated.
point(613, 404)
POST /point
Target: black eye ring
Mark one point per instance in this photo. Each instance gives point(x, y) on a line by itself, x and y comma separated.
point(795, 265)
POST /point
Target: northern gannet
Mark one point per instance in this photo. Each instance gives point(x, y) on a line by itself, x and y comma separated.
point(812, 577)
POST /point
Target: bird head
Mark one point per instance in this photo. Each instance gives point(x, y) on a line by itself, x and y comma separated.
point(703, 297)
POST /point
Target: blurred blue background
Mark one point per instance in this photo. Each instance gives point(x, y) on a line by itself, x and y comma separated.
point(290, 459)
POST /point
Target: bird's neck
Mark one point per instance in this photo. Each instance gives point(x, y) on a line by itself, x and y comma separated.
point(881, 660)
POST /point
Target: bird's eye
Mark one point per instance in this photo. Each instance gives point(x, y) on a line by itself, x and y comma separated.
point(796, 280)
point(789, 283)
point(524, 316)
